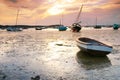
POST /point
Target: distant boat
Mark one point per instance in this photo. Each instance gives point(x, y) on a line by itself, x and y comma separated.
point(62, 28)
point(38, 28)
point(93, 47)
point(115, 26)
point(97, 26)
point(76, 27)
point(14, 29)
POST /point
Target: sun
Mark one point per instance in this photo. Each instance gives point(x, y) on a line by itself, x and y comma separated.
point(70, 0)
point(55, 10)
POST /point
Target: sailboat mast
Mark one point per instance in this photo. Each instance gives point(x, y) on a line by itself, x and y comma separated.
point(96, 21)
point(61, 19)
point(77, 19)
point(17, 16)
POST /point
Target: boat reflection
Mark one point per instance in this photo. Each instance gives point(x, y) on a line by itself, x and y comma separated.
point(91, 63)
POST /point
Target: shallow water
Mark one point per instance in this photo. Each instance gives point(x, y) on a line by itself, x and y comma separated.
point(53, 55)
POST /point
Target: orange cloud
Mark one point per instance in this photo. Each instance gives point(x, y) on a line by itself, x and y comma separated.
point(33, 10)
point(30, 4)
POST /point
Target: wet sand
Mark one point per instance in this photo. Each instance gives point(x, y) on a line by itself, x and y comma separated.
point(53, 55)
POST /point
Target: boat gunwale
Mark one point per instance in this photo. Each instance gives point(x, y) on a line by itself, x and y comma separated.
point(87, 43)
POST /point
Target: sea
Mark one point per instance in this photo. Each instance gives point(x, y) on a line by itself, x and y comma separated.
point(53, 55)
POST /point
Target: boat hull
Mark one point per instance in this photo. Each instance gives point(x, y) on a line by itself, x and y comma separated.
point(14, 29)
point(38, 28)
point(95, 50)
point(62, 28)
point(76, 27)
point(97, 27)
point(115, 26)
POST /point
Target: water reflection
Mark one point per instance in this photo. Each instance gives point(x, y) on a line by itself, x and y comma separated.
point(91, 63)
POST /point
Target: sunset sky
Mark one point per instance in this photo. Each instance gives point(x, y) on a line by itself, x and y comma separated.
point(49, 12)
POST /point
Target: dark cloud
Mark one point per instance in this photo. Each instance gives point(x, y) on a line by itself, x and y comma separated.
point(30, 4)
point(14, 1)
point(115, 1)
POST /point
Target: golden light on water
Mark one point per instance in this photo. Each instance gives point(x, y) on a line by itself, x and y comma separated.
point(53, 55)
point(59, 50)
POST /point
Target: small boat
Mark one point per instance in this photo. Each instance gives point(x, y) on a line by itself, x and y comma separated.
point(97, 27)
point(93, 47)
point(76, 27)
point(115, 26)
point(38, 28)
point(14, 29)
point(62, 28)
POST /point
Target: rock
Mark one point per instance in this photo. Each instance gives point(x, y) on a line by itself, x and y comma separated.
point(35, 78)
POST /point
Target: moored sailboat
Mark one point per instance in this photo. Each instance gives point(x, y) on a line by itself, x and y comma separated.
point(62, 27)
point(76, 27)
point(115, 26)
point(16, 27)
point(97, 26)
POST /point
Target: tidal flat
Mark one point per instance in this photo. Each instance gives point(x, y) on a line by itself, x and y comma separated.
point(53, 55)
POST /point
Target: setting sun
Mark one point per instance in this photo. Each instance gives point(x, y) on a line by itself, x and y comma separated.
point(55, 10)
point(70, 0)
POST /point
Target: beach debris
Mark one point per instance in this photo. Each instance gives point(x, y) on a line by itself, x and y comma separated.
point(59, 44)
point(2, 76)
point(35, 78)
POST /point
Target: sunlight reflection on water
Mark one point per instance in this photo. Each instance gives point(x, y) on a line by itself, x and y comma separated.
point(54, 55)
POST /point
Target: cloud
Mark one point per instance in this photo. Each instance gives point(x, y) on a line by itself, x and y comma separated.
point(29, 4)
point(38, 9)
point(115, 1)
